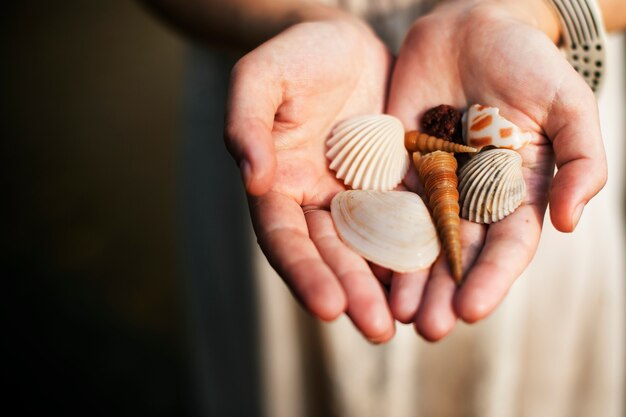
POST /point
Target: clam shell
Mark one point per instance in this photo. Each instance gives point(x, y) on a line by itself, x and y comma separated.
point(418, 141)
point(367, 152)
point(484, 126)
point(392, 229)
point(437, 172)
point(491, 186)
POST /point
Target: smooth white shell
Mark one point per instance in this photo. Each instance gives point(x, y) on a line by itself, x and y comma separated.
point(367, 152)
point(392, 229)
point(483, 126)
point(491, 186)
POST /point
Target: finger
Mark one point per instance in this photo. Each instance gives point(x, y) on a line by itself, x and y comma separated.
point(436, 315)
point(574, 128)
point(509, 246)
point(283, 235)
point(253, 98)
point(383, 274)
point(367, 304)
point(406, 293)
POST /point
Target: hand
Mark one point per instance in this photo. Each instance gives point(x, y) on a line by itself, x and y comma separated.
point(487, 52)
point(285, 96)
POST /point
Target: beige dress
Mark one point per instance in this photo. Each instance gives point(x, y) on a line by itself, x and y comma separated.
point(554, 348)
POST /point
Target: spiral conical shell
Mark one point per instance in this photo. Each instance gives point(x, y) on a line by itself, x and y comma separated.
point(418, 141)
point(392, 229)
point(491, 186)
point(437, 171)
point(367, 152)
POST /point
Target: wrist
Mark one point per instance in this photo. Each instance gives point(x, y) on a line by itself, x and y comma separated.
point(314, 11)
point(262, 20)
point(540, 14)
point(537, 13)
point(349, 25)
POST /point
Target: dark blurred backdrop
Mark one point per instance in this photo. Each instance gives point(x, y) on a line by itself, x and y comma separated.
point(90, 119)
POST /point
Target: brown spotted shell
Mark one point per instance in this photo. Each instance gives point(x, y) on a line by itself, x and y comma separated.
point(491, 186)
point(437, 172)
point(484, 126)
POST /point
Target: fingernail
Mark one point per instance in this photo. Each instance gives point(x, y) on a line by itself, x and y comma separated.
point(578, 212)
point(382, 328)
point(384, 338)
point(246, 172)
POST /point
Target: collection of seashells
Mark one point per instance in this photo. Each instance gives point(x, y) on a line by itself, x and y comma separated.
point(371, 154)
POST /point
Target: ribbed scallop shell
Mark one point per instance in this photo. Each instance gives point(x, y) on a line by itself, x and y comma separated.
point(392, 229)
point(437, 172)
point(491, 186)
point(367, 152)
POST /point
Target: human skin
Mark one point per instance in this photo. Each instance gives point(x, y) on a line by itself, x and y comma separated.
point(245, 24)
point(491, 53)
point(286, 95)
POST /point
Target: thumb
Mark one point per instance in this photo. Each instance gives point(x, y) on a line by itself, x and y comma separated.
point(574, 128)
point(253, 99)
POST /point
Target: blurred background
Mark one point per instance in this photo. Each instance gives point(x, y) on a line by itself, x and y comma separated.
point(93, 114)
point(90, 127)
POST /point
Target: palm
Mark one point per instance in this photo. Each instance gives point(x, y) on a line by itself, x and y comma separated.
point(498, 61)
point(317, 74)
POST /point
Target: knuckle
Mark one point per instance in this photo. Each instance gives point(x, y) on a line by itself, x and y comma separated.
point(247, 68)
point(240, 68)
point(603, 176)
point(230, 131)
point(230, 138)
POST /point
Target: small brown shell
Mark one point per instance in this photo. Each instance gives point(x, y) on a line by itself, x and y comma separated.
point(443, 121)
point(437, 171)
point(491, 186)
point(418, 141)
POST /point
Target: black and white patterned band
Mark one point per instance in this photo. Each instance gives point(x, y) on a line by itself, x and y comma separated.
point(584, 38)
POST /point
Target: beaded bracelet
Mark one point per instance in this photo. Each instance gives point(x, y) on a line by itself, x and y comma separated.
point(584, 38)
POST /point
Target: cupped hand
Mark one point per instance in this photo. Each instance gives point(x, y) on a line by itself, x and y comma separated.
point(490, 53)
point(285, 97)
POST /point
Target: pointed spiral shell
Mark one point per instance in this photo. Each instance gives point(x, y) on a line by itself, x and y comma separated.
point(418, 141)
point(491, 186)
point(367, 152)
point(437, 171)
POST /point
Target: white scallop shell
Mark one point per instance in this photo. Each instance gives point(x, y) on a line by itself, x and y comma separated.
point(484, 126)
point(491, 186)
point(367, 152)
point(392, 229)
